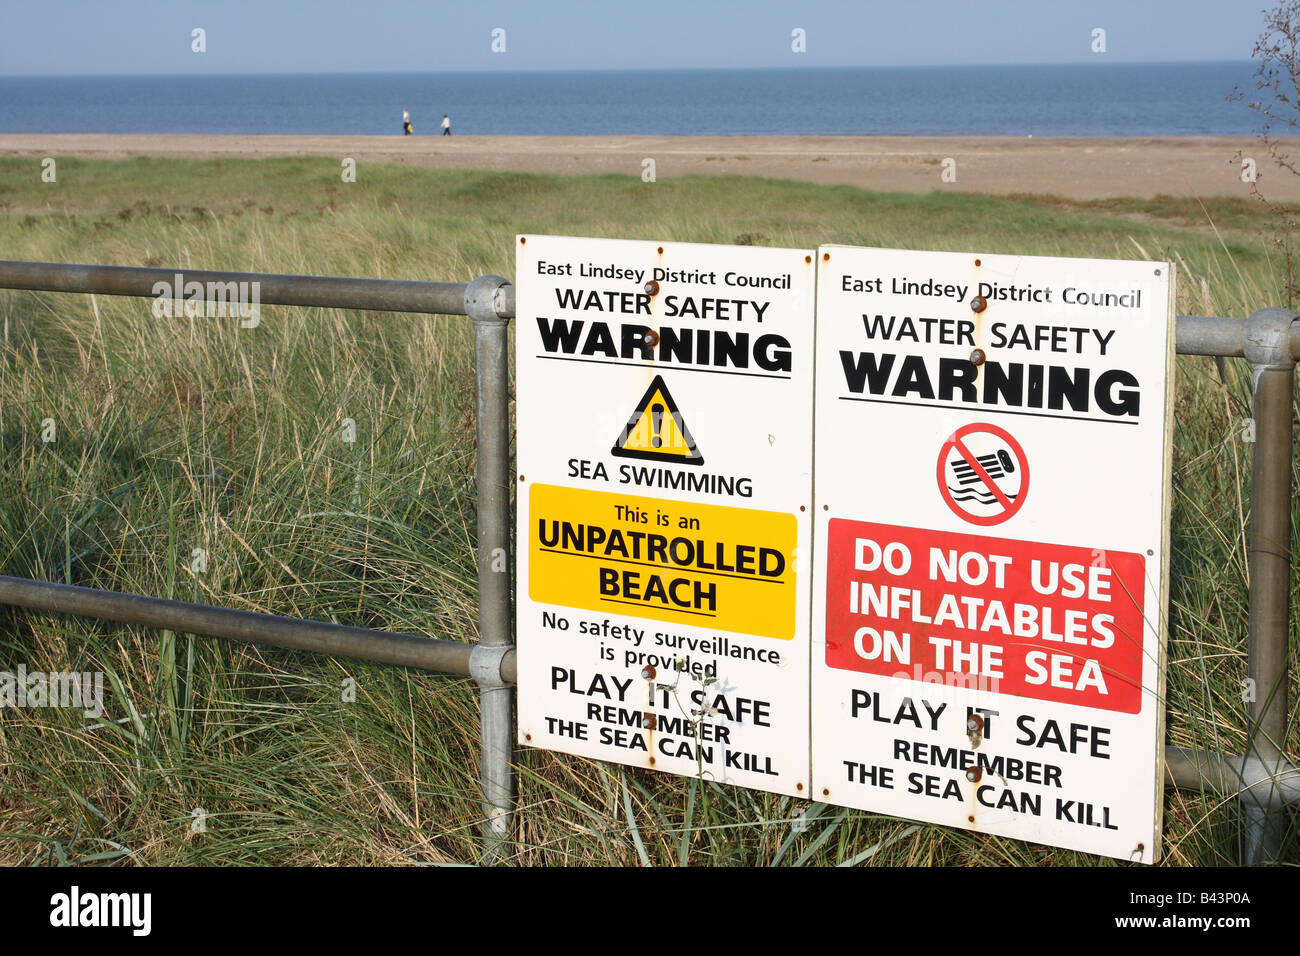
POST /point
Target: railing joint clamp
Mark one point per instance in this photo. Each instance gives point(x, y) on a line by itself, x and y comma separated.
point(1266, 338)
point(485, 665)
point(485, 299)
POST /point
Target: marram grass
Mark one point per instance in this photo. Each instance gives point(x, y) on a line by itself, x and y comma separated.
point(184, 434)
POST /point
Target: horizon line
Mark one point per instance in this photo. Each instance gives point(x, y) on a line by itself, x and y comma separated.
point(619, 69)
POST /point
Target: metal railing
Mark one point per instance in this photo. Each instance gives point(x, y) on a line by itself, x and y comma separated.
point(1263, 778)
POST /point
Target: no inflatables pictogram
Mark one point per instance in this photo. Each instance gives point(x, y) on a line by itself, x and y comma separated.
point(656, 430)
point(983, 474)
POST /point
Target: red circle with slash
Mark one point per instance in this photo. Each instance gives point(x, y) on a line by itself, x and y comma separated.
point(975, 477)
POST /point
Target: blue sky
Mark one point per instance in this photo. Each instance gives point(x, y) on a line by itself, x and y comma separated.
point(308, 36)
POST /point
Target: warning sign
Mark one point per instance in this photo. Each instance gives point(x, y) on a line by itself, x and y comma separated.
point(983, 474)
point(656, 430)
point(987, 649)
point(664, 406)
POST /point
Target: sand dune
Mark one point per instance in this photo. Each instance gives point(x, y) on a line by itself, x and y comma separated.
point(1075, 168)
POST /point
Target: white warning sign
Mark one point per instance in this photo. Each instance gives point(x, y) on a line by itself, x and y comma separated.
point(992, 490)
point(664, 422)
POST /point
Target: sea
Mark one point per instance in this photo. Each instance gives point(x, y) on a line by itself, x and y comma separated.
point(1087, 99)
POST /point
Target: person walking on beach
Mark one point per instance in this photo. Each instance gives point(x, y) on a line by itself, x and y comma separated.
point(406, 123)
point(446, 125)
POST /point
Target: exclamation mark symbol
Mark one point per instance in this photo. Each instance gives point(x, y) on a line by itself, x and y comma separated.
point(657, 422)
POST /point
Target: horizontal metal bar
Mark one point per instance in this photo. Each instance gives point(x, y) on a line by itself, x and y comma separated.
point(380, 295)
point(1209, 335)
point(250, 627)
point(1212, 335)
point(1229, 776)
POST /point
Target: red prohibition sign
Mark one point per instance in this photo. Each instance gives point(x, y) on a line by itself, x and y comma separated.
point(975, 477)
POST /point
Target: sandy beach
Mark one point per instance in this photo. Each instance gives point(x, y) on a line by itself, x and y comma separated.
point(1083, 168)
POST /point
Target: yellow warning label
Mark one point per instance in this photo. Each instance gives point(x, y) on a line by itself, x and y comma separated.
point(704, 565)
point(656, 430)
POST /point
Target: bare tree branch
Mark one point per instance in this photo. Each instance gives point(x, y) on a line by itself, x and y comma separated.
point(1277, 83)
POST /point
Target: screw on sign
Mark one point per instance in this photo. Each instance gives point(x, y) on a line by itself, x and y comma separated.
point(983, 474)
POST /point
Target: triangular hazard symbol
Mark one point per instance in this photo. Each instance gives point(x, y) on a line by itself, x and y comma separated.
point(656, 430)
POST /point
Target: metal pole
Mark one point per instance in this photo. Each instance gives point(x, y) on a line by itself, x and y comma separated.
point(384, 295)
point(1267, 346)
point(250, 627)
point(1216, 335)
point(338, 292)
point(1230, 775)
point(485, 304)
